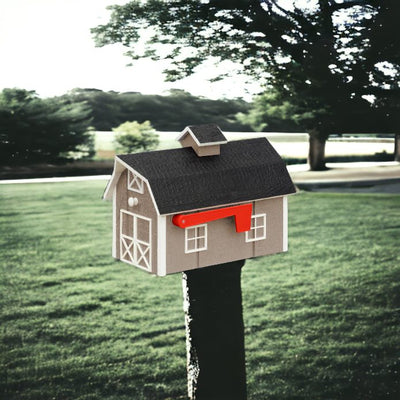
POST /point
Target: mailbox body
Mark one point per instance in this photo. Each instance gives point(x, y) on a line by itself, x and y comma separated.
point(152, 190)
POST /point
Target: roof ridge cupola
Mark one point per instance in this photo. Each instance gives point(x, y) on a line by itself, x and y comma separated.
point(205, 140)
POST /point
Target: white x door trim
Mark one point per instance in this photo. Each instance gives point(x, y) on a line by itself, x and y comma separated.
point(135, 246)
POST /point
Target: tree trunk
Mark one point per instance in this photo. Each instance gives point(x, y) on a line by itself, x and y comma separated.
point(215, 332)
point(316, 152)
point(397, 147)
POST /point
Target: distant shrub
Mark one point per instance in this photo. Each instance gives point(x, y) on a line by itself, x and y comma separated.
point(132, 137)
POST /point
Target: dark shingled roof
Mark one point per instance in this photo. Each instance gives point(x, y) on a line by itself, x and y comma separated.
point(245, 170)
point(208, 133)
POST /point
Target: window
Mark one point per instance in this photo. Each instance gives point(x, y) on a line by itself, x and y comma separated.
point(258, 230)
point(135, 183)
point(196, 238)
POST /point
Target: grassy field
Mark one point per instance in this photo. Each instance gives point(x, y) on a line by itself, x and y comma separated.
point(322, 321)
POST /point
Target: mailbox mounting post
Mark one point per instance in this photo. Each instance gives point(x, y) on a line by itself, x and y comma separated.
point(215, 332)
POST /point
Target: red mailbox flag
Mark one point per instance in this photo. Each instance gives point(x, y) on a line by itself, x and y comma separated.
point(242, 214)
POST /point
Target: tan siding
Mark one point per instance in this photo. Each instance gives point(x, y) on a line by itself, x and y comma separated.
point(187, 141)
point(224, 244)
point(273, 208)
point(211, 150)
point(177, 260)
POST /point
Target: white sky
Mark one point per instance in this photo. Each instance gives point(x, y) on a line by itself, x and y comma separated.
point(46, 45)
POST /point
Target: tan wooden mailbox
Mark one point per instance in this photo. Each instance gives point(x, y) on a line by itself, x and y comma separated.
point(209, 202)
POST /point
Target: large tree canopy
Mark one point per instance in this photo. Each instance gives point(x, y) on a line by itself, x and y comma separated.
point(336, 61)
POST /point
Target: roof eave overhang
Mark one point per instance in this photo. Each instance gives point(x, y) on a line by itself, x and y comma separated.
point(117, 171)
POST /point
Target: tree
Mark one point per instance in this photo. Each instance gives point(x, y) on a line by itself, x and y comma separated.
point(381, 53)
point(36, 130)
point(105, 106)
point(335, 61)
point(269, 114)
point(132, 137)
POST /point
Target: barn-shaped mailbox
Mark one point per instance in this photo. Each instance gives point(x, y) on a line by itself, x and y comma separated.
point(208, 203)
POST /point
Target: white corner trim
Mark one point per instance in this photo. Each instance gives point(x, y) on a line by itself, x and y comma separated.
point(117, 171)
point(114, 222)
point(161, 245)
point(285, 224)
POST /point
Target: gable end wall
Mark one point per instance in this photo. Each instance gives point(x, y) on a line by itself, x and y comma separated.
point(145, 208)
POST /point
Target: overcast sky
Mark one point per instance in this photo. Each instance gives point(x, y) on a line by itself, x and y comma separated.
point(46, 45)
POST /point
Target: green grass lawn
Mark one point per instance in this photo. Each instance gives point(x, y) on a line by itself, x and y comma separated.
point(322, 321)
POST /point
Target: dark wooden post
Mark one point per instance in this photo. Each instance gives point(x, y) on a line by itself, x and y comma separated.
point(215, 332)
point(397, 147)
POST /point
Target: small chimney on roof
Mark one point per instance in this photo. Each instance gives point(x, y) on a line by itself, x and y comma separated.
point(205, 140)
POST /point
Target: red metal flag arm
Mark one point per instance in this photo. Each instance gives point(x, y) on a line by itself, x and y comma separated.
point(241, 213)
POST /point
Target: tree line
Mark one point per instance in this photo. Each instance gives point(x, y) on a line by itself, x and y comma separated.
point(58, 129)
point(171, 112)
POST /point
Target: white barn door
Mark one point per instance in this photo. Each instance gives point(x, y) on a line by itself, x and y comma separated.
point(135, 240)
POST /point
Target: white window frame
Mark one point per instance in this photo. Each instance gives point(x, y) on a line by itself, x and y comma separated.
point(195, 238)
point(135, 183)
point(255, 225)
